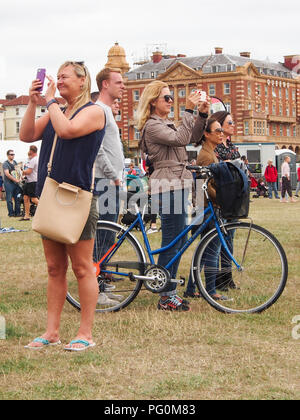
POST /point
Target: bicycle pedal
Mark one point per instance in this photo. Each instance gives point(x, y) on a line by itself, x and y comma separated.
point(180, 281)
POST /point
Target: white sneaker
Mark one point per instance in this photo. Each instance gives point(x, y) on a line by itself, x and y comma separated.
point(149, 231)
point(109, 287)
point(119, 298)
point(103, 299)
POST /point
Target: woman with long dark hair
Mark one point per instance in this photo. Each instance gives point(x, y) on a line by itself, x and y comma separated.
point(227, 152)
point(213, 136)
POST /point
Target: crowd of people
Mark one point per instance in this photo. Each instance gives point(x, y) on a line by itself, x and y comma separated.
point(89, 139)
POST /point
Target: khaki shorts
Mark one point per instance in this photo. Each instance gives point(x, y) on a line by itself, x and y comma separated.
point(89, 230)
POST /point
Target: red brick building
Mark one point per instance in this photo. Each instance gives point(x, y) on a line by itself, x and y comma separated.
point(263, 97)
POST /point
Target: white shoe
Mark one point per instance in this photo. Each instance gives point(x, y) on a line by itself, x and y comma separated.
point(109, 287)
point(103, 299)
point(119, 298)
point(149, 231)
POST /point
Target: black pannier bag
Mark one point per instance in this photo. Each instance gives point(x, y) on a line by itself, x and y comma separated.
point(232, 188)
point(128, 218)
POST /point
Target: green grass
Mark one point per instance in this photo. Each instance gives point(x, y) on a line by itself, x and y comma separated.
point(143, 354)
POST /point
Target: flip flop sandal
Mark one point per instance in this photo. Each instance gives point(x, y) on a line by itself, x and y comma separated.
point(44, 342)
point(86, 345)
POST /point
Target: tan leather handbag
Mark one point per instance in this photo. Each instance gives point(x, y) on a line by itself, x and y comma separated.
point(63, 209)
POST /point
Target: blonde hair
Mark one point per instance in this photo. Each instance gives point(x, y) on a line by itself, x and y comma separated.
point(145, 109)
point(105, 75)
point(81, 71)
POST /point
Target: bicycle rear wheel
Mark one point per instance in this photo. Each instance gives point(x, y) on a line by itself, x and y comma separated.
point(116, 290)
point(263, 274)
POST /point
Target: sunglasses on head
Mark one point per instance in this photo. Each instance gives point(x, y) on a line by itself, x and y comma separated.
point(81, 64)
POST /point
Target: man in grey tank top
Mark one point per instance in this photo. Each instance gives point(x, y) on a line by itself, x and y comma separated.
point(109, 165)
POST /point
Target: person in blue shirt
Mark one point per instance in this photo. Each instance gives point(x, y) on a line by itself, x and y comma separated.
point(1, 187)
point(11, 185)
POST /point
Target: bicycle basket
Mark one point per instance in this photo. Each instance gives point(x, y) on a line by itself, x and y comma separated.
point(232, 190)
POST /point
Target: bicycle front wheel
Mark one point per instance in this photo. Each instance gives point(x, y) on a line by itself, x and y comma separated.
point(259, 281)
point(116, 287)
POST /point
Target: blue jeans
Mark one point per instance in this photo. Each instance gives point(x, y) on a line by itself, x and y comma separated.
point(210, 261)
point(12, 190)
point(226, 262)
point(273, 187)
point(172, 210)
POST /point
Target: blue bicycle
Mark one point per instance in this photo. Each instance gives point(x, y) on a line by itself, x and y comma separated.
point(254, 256)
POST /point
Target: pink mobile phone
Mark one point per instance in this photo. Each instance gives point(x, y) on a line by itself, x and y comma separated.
point(41, 74)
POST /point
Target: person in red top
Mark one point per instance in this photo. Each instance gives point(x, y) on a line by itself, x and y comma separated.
point(132, 171)
point(271, 176)
point(298, 183)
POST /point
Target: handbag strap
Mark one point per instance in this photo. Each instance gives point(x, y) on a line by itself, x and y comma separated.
point(49, 166)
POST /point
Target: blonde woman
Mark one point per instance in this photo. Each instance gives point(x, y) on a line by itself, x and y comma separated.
point(80, 132)
point(164, 145)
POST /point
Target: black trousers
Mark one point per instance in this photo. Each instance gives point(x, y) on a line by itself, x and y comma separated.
point(286, 187)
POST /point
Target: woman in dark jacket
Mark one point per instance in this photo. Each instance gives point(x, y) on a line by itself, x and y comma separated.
point(213, 136)
point(226, 151)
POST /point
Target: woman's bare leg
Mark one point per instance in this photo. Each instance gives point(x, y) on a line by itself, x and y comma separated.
point(81, 256)
point(57, 263)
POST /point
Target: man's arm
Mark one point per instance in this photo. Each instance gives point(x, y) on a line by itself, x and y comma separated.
point(9, 176)
point(27, 171)
point(107, 168)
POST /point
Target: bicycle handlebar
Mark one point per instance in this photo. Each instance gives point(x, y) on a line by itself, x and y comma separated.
point(203, 171)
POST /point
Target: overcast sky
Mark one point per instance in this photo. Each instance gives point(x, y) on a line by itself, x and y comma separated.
point(36, 33)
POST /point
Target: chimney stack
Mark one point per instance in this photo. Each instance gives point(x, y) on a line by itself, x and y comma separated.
point(157, 57)
point(10, 96)
point(218, 50)
point(245, 54)
point(292, 62)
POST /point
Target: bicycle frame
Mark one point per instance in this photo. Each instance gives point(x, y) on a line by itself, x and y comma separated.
point(151, 253)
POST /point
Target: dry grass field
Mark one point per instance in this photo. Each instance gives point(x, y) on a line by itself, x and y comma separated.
point(144, 354)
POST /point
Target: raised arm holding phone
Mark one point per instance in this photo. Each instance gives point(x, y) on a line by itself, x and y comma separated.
point(164, 144)
point(80, 132)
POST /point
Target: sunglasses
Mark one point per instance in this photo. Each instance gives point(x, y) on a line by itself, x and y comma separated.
point(168, 98)
point(218, 130)
point(81, 64)
point(11, 154)
point(230, 123)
